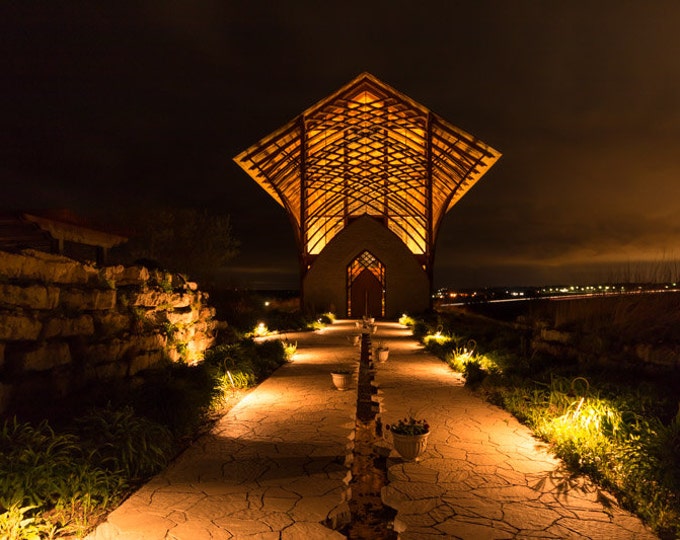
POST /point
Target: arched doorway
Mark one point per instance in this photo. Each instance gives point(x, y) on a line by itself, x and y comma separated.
point(365, 287)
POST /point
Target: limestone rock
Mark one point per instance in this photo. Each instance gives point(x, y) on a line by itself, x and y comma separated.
point(29, 297)
point(154, 298)
point(45, 267)
point(110, 370)
point(46, 357)
point(126, 275)
point(68, 327)
point(109, 351)
point(181, 317)
point(148, 342)
point(145, 360)
point(87, 300)
point(111, 323)
point(17, 327)
point(54, 310)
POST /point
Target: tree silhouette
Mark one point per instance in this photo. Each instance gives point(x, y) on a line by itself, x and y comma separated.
point(185, 240)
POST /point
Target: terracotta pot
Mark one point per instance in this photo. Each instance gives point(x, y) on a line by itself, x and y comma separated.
point(342, 381)
point(410, 446)
point(382, 354)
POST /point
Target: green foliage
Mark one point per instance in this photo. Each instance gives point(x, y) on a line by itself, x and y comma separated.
point(20, 523)
point(327, 318)
point(474, 373)
point(409, 426)
point(169, 329)
point(106, 282)
point(35, 464)
point(41, 472)
point(321, 321)
point(612, 426)
point(161, 279)
point(245, 310)
point(610, 439)
point(232, 367)
point(460, 356)
point(244, 364)
point(407, 320)
point(420, 329)
point(182, 349)
point(121, 441)
point(177, 396)
point(260, 330)
point(289, 350)
point(57, 483)
point(317, 324)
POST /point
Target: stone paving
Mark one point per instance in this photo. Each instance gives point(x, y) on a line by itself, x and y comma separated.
point(483, 475)
point(276, 466)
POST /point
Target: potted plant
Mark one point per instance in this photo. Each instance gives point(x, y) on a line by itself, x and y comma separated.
point(342, 378)
point(382, 351)
point(367, 325)
point(409, 436)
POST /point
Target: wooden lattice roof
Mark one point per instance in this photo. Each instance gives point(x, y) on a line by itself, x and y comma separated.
point(367, 149)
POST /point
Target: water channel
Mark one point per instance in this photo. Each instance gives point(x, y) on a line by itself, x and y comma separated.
point(371, 519)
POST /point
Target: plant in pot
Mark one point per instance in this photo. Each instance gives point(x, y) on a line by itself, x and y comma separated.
point(409, 436)
point(342, 378)
point(382, 351)
point(367, 325)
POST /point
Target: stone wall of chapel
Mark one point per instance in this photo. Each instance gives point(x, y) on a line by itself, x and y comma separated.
point(325, 284)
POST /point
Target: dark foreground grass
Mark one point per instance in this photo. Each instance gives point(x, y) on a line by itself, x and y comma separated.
point(621, 427)
point(62, 474)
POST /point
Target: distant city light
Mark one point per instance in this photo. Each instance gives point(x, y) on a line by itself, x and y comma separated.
point(507, 294)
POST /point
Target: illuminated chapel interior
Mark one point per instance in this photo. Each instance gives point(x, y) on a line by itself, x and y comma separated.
point(366, 176)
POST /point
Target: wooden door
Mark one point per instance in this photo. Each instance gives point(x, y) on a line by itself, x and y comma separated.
point(366, 295)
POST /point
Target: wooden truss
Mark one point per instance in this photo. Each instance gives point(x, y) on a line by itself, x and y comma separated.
point(367, 150)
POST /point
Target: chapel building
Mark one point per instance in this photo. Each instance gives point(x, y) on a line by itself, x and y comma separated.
point(366, 176)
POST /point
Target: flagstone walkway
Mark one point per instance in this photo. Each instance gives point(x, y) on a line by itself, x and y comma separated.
point(277, 465)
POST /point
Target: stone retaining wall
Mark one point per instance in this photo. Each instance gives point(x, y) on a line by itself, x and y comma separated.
point(64, 324)
point(566, 345)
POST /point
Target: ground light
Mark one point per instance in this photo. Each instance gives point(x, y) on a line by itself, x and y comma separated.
point(438, 338)
point(261, 330)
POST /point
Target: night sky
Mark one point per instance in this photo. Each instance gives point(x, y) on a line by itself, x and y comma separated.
point(112, 104)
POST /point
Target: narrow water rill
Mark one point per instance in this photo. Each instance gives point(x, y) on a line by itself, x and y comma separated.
point(371, 519)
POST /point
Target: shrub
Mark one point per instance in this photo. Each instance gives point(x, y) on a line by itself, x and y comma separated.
point(327, 318)
point(177, 396)
point(47, 483)
point(19, 523)
point(420, 329)
point(244, 364)
point(407, 321)
point(289, 350)
point(474, 374)
point(35, 464)
point(121, 441)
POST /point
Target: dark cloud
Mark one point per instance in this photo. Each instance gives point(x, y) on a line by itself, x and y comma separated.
point(147, 102)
